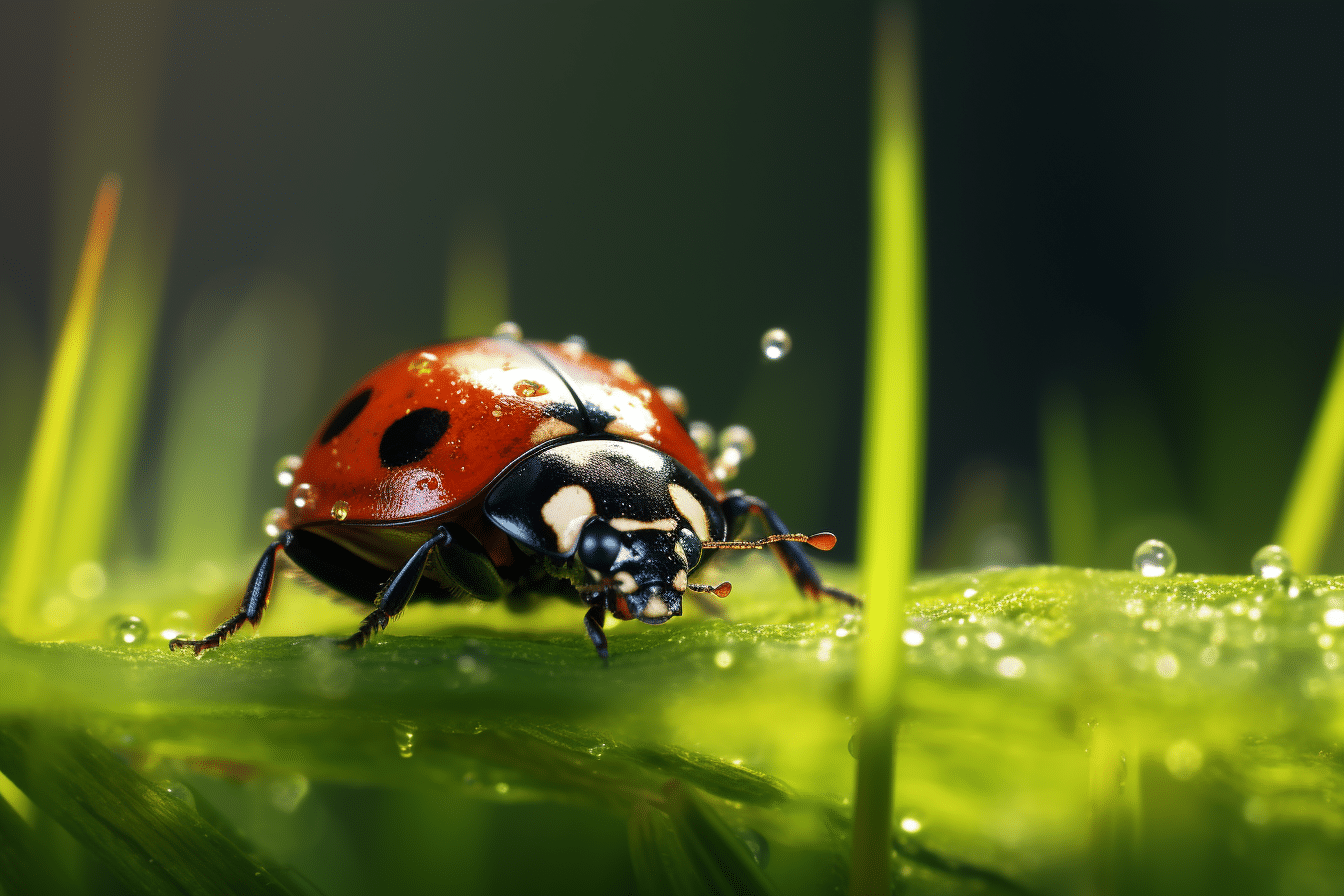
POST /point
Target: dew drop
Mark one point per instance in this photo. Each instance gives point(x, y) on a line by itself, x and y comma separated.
point(913, 637)
point(675, 399)
point(739, 438)
point(509, 330)
point(405, 736)
point(622, 369)
point(756, 844)
point(179, 791)
point(422, 364)
point(776, 343)
point(1167, 666)
point(128, 630)
point(702, 434)
point(911, 825)
point(993, 640)
point(723, 659)
point(287, 792)
point(303, 495)
point(529, 389)
point(286, 467)
point(574, 344)
point(270, 523)
point(1011, 667)
point(178, 624)
point(1334, 617)
point(340, 510)
point(1154, 558)
point(1271, 562)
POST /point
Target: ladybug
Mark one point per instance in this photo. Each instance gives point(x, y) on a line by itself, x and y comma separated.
point(501, 468)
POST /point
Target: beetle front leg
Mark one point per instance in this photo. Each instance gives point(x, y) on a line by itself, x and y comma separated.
point(397, 592)
point(592, 621)
point(255, 598)
point(738, 505)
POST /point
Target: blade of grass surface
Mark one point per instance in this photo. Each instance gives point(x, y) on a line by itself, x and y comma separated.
point(51, 443)
point(151, 841)
point(1313, 503)
point(893, 437)
point(1070, 504)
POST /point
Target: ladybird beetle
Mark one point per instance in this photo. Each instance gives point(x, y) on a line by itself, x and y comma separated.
point(496, 468)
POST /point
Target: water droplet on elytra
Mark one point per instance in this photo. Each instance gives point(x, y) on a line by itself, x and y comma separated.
point(1154, 558)
point(702, 434)
point(285, 469)
point(270, 523)
point(739, 438)
point(405, 735)
point(675, 399)
point(509, 330)
point(776, 343)
point(303, 495)
point(529, 389)
point(340, 510)
point(1271, 562)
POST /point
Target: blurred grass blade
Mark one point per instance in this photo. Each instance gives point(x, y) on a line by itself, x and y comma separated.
point(662, 867)
point(476, 289)
point(151, 841)
point(27, 864)
point(33, 528)
point(1313, 502)
point(1069, 501)
point(893, 437)
point(719, 858)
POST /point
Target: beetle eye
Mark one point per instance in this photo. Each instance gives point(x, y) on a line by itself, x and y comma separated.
point(691, 545)
point(598, 545)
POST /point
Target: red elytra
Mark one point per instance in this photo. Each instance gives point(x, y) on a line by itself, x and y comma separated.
point(491, 466)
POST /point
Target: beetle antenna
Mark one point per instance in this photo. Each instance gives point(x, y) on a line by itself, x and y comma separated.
point(723, 589)
point(822, 541)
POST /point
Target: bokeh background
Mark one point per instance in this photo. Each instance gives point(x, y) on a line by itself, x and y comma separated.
point(1133, 241)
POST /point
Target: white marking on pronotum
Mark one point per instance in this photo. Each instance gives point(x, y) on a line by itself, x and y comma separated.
point(625, 582)
point(679, 581)
point(621, 428)
point(691, 509)
point(566, 513)
point(679, 551)
point(655, 608)
point(551, 428)
point(624, 524)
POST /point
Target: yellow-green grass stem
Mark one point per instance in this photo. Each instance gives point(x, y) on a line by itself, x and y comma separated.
point(893, 436)
point(1313, 501)
point(51, 441)
point(1070, 501)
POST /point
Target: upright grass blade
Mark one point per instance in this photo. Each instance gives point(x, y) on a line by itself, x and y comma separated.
point(893, 437)
point(1313, 502)
point(51, 443)
point(1069, 501)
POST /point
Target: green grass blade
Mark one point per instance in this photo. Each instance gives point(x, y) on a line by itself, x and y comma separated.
point(893, 438)
point(1069, 501)
point(154, 843)
point(51, 444)
point(1313, 503)
point(476, 289)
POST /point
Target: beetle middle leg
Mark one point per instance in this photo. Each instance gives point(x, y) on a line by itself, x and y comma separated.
point(398, 590)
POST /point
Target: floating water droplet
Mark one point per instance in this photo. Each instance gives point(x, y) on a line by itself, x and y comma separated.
point(911, 825)
point(405, 735)
point(340, 510)
point(756, 844)
point(1271, 562)
point(1334, 617)
point(723, 659)
point(675, 399)
point(1011, 667)
point(776, 343)
point(993, 640)
point(726, 465)
point(509, 330)
point(87, 580)
point(128, 630)
point(913, 637)
point(270, 522)
point(286, 467)
point(180, 792)
point(739, 438)
point(702, 434)
point(303, 495)
point(287, 792)
point(1154, 558)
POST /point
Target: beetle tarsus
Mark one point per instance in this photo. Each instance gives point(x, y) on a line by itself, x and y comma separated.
point(592, 621)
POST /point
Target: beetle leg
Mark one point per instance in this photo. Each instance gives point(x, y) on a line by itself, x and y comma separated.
point(255, 598)
point(397, 592)
point(592, 621)
point(735, 509)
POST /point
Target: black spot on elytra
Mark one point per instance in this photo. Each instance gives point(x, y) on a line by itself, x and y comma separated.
point(412, 437)
point(346, 415)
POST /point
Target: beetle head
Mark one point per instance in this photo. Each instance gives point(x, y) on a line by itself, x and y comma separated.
point(642, 571)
